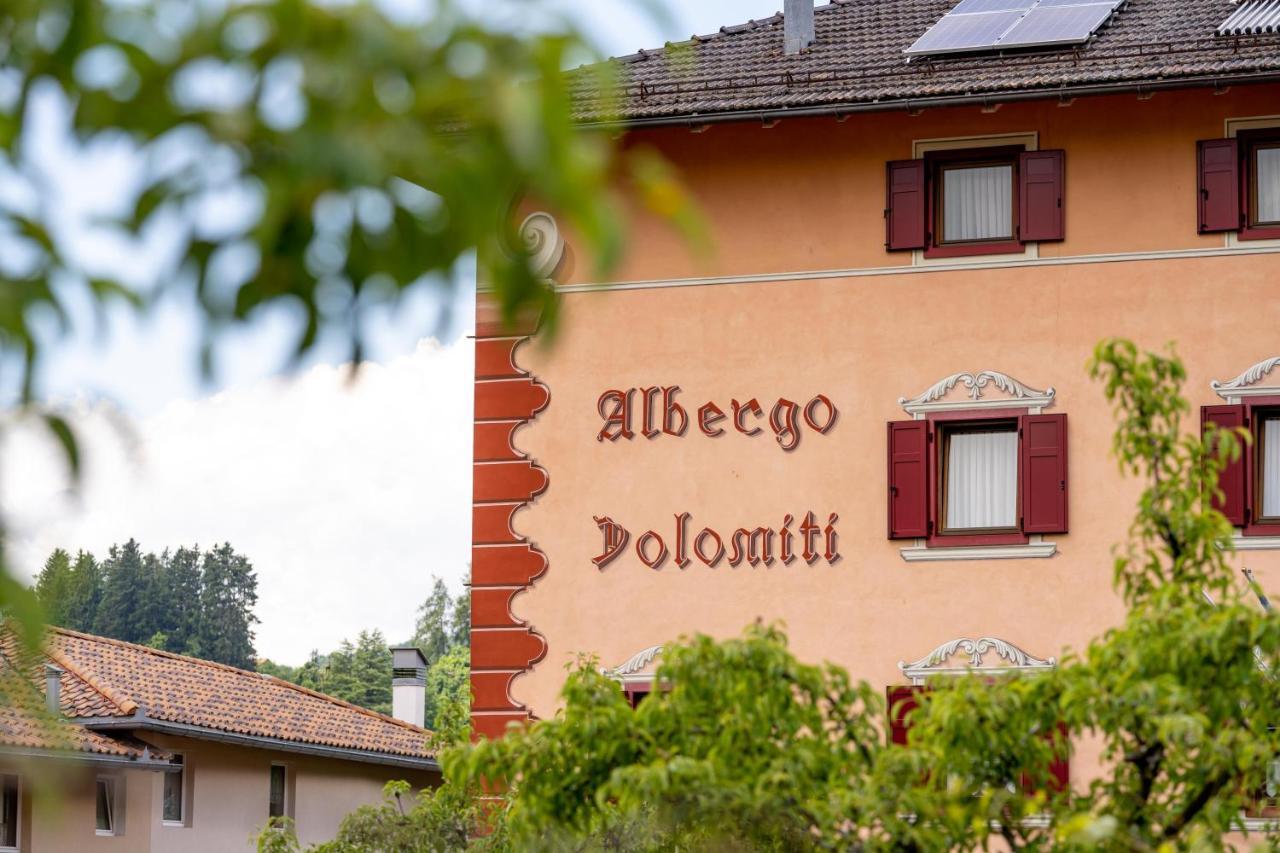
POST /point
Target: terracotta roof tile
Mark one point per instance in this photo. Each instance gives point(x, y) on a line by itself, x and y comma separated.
point(858, 59)
point(23, 729)
point(114, 675)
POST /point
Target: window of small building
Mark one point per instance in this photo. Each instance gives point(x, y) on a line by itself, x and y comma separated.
point(108, 797)
point(174, 811)
point(980, 478)
point(9, 807)
point(278, 804)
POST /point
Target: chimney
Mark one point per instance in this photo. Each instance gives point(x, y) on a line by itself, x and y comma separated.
point(797, 20)
point(53, 688)
point(409, 685)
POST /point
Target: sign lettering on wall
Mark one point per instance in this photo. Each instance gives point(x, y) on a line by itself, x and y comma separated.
point(651, 413)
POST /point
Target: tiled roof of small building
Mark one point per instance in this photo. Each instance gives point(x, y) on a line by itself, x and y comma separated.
point(858, 60)
point(105, 679)
point(24, 729)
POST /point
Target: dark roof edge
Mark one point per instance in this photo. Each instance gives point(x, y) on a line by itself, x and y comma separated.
point(104, 724)
point(987, 98)
point(95, 759)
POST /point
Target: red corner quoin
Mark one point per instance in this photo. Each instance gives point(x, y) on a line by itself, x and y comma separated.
point(502, 563)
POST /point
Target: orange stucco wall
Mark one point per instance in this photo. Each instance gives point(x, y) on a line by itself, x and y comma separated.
point(808, 196)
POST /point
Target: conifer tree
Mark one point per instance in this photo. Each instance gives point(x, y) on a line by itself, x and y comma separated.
point(229, 591)
point(372, 671)
point(84, 593)
point(53, 587)
point(124, 592)
point(432, 634)
point(184, 602)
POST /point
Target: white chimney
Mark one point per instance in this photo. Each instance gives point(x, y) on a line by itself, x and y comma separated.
point(409, 685)
point(53, 688)
point(798, 27)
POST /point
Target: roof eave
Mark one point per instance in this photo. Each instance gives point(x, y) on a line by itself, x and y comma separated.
point(982, 98)
point(90, 758)
point(141, 722)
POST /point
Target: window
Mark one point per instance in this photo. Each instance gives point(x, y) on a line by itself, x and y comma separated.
point(976, 201)
point(9, 804)
point(1251, 486)
point(637, 692)
point(278, 803)
point(1239, 184)
point(978, 478)
point(903, 700)
point(174, 808)
point(109, 806)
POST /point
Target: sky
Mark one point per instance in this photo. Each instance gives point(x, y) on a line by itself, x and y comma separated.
point(348, 497)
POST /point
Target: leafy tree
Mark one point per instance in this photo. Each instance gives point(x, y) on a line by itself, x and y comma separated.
point(124, 593)
point(228, 593)
point(282, 671)
point(449, 693)
point(53, 587)
point(372, 153)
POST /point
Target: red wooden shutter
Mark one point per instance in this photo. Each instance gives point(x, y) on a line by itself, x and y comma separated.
point(908, 479)
point(905, 205)
point(1232, 480)
point(902, 700)
point(1059, 766)
point(1044, 474)
point(1041, 181)
point(1219, 185)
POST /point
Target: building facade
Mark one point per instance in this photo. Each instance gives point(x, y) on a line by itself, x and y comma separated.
point(865, 413)
point(145, 751)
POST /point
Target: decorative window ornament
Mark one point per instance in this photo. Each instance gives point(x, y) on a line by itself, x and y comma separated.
point(635, 665)
point(1010, 658)
point(1016, 395)
point(1250, 383)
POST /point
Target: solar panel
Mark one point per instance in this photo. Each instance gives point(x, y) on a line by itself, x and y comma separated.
point(1057, 25)
point(966, 32)
point(990, 24)
point(967, 6)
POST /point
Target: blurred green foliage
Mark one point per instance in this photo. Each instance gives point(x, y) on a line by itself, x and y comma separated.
point(322, 157)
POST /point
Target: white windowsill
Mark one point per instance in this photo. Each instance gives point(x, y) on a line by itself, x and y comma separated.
point(176, 824)
point(1037, 548)
point(104, 833)
point(1255, 543)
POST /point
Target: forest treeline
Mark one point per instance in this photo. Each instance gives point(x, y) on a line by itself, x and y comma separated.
point(359, 672)
point(201, 603)
point(188, 601)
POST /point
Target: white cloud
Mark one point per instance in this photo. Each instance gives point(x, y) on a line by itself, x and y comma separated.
point(346, 498)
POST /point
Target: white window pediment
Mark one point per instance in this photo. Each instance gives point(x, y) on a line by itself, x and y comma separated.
point(640, 667)
point(1012, 394)
point(1254, 382)
point(1008, 658)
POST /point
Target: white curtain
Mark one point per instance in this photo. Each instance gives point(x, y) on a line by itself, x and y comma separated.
point(1269, 185)
point(1271, 469)
point(977, 203)
point(982, 480)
